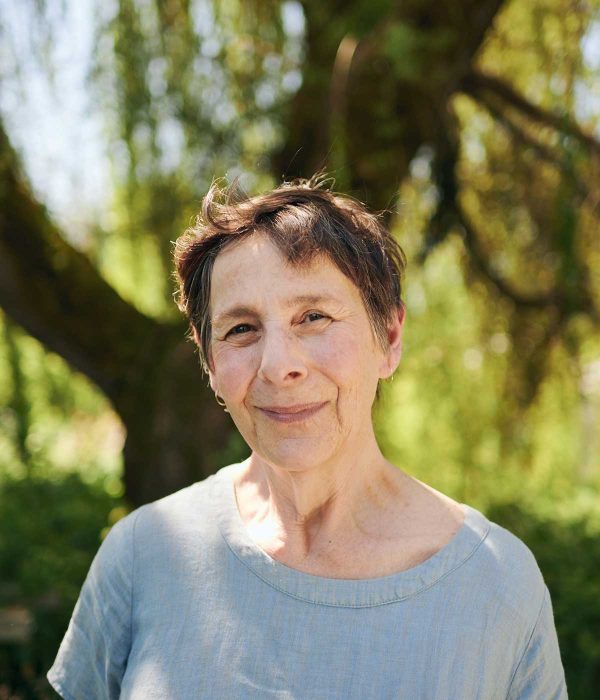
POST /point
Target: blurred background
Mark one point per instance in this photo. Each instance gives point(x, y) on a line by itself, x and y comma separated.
point(473, 124)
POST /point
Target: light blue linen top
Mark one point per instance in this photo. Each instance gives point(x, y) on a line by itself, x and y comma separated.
point(180, 603)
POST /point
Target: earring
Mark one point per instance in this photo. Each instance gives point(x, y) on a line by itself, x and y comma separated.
point(221, 403)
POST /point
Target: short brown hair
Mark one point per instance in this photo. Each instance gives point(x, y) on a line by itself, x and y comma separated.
point(303, 219)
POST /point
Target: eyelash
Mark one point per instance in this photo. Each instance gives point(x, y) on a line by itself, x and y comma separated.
point(236, 330)
point(314, 313)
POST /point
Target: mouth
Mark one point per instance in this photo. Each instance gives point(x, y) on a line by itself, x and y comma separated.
point(291, 414)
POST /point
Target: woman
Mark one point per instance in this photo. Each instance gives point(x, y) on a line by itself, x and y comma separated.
point(314, 569)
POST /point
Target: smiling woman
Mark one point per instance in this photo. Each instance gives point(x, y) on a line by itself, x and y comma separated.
point(314, 569)
point(289, 356)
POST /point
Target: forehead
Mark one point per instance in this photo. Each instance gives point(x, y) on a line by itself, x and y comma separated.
point(254, 271)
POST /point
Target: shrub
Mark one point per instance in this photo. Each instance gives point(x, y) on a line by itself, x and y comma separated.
point(50, 530)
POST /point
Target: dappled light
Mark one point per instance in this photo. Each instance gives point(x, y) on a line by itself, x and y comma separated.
point(476, 134)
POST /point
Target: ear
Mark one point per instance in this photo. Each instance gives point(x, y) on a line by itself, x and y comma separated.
point(196, 337)
point(212, 381)
point(393, 352)
point(210, 367)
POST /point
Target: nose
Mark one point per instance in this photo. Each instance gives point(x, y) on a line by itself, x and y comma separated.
point(282, 360)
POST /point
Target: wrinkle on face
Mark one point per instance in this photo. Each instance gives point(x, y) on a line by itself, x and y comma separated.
point(313, 472)
point(335, 361)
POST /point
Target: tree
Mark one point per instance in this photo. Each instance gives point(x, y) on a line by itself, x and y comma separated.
point(376, 84)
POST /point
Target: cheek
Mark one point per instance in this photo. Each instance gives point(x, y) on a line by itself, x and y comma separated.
point(351, 365)
point(233, 371)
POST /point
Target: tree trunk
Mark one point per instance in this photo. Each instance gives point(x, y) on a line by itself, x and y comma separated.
point(147, 370)
point(376, 88)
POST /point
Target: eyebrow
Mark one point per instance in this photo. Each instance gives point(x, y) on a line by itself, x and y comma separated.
point(243, 310)
point(234, 313)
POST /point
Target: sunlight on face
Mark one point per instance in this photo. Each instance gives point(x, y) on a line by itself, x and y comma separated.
point(293, 355)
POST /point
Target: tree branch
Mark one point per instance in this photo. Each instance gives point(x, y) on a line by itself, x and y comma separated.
point(479, 259)
point(584, 194)
point(516, 131)
point(55, 293)
point(451, 214)
point(478, 84)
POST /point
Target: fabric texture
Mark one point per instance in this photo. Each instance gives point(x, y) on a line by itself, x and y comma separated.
point(180, 603)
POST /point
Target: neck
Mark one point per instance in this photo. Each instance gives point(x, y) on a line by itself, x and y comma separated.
point(298, 514)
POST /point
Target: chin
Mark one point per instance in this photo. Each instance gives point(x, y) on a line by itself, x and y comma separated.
point(296, 457)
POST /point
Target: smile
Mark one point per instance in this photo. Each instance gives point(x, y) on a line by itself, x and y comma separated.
point(291, 414)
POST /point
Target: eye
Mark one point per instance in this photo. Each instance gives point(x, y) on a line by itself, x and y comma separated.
point(313, 317)
point(240, 329)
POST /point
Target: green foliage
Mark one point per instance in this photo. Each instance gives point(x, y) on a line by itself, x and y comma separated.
point(52, 419)
point(455, 393)
point(50, 530)
point(186, 92)
point(490, 402)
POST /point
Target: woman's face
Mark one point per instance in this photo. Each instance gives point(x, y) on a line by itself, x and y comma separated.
point(293, 355)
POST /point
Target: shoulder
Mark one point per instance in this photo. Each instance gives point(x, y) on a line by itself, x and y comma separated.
point(179, 528)
point(506, 568)
point(505, 583)
point(189, 507)
point(504, 553)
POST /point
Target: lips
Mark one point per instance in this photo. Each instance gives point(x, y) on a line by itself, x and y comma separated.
point(291, 414)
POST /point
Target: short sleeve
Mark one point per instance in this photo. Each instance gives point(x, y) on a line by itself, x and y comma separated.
point(539, 673)
point(93, 655)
